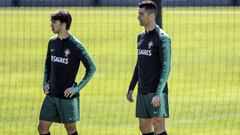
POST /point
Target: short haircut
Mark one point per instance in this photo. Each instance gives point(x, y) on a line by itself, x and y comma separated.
point(63, 16)
point(148, 5)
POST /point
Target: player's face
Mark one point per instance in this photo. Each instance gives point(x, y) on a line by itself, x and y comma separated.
point(144, 17)
point(56, 26)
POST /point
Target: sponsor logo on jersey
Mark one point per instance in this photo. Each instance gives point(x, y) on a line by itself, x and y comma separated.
point(66, 52)
point(59, 59)
point(144, 52)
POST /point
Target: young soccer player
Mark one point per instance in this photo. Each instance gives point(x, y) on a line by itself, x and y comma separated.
point(151, 73)
point(64, 54)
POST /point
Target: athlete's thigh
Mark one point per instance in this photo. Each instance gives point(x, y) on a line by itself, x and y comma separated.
point(146, 125)
point(69, 110)
point(143, 121)
point(160, 111)
point(48, 110)
point(142, 111)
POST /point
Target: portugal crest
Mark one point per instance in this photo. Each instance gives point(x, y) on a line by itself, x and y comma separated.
point(67, 52)
point(150, 44)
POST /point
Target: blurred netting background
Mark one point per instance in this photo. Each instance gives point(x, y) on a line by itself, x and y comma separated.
point(204, 82)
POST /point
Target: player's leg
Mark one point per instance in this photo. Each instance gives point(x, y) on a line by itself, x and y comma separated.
point(71, 128)
point(47, 115)
point(159, 126)
point(43, 127)
point(69, 111)
point(146, 126)
point(159, 114)
point(145, 121)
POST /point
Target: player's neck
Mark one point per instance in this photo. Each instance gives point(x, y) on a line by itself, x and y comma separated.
point(63, 34)
point(150, 26)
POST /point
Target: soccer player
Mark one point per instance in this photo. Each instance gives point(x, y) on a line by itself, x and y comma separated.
point(151, 72)
point(64, 54)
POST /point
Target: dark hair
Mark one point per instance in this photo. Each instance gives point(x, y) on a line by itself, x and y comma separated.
point(63, 16)
point(148, 5)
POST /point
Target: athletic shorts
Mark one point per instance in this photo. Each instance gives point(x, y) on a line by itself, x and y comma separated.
point(144, 108)
point(59, 110)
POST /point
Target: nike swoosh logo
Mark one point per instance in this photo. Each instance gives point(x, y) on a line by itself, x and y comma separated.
point(52, 50)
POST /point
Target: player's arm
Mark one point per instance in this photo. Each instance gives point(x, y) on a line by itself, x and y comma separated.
point(165, 50)
point(132, 84)
point(135, 73)
point(134, 79)
point(47, 70)
point(90, 69)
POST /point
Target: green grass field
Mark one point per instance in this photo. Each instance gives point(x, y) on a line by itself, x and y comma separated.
point(204, 81)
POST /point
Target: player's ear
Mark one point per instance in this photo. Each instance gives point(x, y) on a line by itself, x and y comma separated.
point(152, 15)
point(64, 25)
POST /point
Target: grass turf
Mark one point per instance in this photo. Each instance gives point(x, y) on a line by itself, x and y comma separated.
point(204, 81)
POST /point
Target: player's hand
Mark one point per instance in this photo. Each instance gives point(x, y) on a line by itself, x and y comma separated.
point(68, 93)
point(156, 101)
point(46, 88)
point(129, 96)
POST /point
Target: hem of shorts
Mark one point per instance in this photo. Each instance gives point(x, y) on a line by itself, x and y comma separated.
point(68, 122)
point(47, 120)
point(149, 117)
